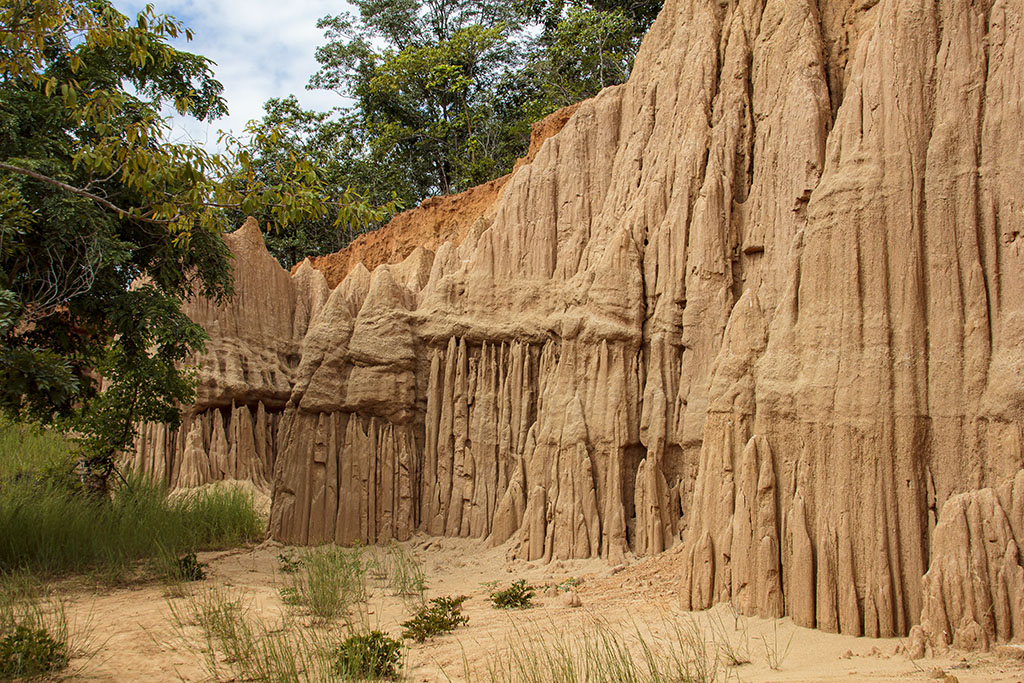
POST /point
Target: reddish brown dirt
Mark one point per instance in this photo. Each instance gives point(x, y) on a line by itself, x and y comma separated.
point(436, 220)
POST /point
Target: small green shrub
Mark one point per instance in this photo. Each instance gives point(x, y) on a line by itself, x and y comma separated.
point(569, 584)
point(440, 616)
point(290, 595)
point(517, 596)
point(371, 655)
point(27, 652)
point(289, 563)
point(190, 568)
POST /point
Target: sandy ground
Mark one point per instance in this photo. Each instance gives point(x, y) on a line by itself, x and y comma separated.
point(134, 637)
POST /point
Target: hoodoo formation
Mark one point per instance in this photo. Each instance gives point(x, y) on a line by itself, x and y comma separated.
point(765, 300)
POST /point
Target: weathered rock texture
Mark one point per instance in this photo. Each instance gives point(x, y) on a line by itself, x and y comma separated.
point(766, 299)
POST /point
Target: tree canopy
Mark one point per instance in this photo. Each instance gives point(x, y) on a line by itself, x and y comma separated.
point(444, 94)
point(105, 226)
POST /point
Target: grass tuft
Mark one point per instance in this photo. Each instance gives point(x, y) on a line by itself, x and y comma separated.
point(329, 582)
point(599, 654)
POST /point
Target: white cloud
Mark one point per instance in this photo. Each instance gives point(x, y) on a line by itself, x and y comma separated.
point(262, 49)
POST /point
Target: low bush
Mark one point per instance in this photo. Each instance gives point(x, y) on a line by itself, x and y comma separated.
point(29, 652)
point(440, 616)
point(35, 639)
point(373, 655)
point(289, 563)
point(190, 568)
point(517, 596)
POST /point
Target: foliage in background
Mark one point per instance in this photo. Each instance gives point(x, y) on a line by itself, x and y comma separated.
point(444, 96)
point(28, 452)
point(105, 226)
point(288, 134)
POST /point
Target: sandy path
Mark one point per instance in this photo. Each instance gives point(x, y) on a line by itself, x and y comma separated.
point(135, 638)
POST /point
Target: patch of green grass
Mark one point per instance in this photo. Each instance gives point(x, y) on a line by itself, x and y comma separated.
point(218, 625)
point(517, 596)
point(331, 581)
point(238, 646)
point(50, 530)
point(373, 655)
point(440, 616)
point(403, 574)
point(50, 527)
point(600, 654)
point(29, 452)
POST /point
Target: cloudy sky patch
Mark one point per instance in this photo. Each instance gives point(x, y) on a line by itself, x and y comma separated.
point(262, 49)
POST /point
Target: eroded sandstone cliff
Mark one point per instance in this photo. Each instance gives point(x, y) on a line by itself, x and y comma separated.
point(765, 300)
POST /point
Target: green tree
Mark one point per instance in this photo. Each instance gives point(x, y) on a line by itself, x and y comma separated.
point(586, 50)
point(105, 227)
point(445, 92)
point(424, 78)
point(332, 144)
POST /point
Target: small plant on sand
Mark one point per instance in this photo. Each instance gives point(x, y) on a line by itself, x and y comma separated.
point(373, 655)
point(289, 563)
point(35, 639)
point(405, 577)
point(774, 652)
point(190, 568)
point(290, 596)
point(331, 580)
point(733, 653)
point(517, 596)
point(569, 584)
point(27, 652)
point(440, 616)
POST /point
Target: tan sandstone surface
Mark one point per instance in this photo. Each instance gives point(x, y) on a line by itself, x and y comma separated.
point(763, 302)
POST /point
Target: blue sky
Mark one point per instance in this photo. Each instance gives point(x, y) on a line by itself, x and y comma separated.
point(262, 49)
